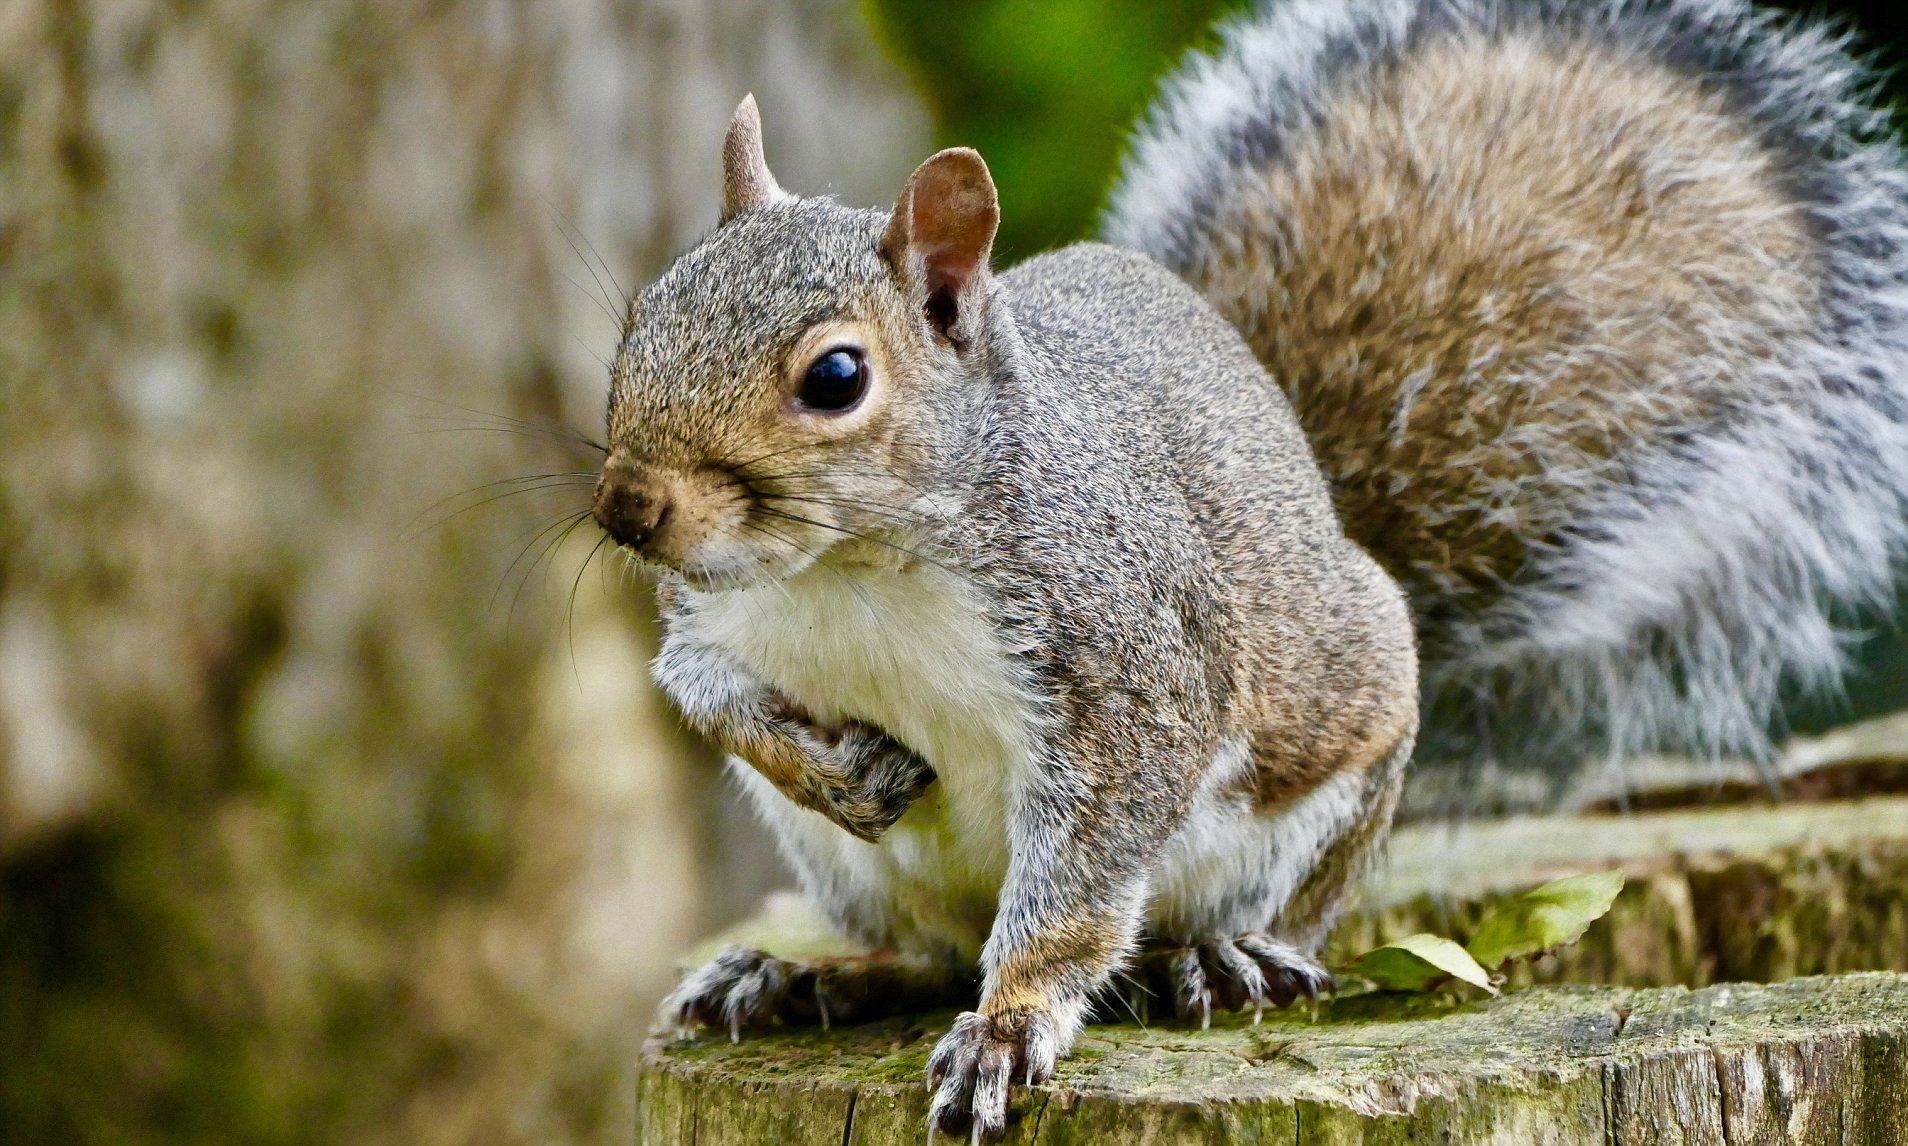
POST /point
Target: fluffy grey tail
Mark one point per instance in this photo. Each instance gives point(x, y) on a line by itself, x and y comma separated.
point(1597, 314)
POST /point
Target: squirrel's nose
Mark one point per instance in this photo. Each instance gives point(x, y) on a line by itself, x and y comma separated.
point(628, 507)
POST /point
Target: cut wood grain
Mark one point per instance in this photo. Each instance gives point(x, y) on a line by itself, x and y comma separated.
point(1822, 1060)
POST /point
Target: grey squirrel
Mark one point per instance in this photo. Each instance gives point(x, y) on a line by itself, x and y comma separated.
point(1556, 346)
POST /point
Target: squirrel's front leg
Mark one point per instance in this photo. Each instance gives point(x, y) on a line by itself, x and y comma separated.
point(1083, 849)
point(853, 773)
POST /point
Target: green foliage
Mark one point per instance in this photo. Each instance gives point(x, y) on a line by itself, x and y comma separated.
point(1544, 918)
point(1046, 91)
point(1536, 922)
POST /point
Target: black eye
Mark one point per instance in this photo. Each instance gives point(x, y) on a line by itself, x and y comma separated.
point(834, 382)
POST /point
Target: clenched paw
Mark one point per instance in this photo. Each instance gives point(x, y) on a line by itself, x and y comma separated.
point(859, 776)
point(978, 1060)
point(740, 987)
point(867, 780)
point(1250, 970)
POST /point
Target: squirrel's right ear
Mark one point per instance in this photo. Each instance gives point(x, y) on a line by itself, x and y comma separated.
point(942, 233)
point(746, 180)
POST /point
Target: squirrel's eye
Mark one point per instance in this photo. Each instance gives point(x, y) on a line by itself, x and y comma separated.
point(834, 382)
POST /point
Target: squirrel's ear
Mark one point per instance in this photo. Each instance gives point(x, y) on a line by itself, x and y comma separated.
point(942, 232)
point(746, 181)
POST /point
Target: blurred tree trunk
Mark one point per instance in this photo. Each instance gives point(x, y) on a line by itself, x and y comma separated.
point(311, 827)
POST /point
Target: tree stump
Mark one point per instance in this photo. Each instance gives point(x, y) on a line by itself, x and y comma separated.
point(1714, 893)
point(1821, 1060)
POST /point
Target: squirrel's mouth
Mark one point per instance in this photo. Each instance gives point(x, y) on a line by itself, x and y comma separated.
point(707, 526)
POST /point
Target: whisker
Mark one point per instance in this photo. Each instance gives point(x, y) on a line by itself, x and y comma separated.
point(819, 560)
point(893, 512)
point(609, 306)
point(600, 261)
point(453, 515)
point(856, 534)
point(549, 550)
point(469, 428)
point(600, 305)
point(501, 421)
point(570, 617)
point(1121, 998)
point(739, 468)
point(529, 483)
point(559, 523)
point(839, 471)
point(591, 351)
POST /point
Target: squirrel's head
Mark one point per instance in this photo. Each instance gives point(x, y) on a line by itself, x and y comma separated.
point(784, 389)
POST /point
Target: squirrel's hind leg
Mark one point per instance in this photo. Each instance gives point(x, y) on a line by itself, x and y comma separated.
point(1254, 944)
point(1342, 867)
point(743, 987)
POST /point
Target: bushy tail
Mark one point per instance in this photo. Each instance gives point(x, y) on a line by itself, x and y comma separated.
point(1596, 312)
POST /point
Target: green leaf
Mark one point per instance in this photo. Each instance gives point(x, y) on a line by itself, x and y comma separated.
point(1544, 918)
point(1418, 961)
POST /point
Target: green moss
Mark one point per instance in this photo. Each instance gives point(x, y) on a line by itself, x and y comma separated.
point(1378, 1068)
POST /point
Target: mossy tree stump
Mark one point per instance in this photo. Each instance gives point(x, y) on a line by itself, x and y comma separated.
point(1821, 1060)
point(1714, 893)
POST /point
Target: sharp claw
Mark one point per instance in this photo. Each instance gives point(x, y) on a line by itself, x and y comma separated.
point(939, 1109)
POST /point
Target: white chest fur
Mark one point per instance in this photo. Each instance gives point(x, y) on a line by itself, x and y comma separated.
point(911, 651)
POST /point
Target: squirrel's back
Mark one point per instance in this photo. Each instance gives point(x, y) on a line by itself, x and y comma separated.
point(1595, 313)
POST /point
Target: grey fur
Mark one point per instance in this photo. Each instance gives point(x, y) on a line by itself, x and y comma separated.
point(1103, 486)
point(1710, 571)
point(1073, 566)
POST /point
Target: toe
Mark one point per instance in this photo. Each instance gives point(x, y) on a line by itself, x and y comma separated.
point(1244, 982)
point(1040, 1049)
point(1290, 974)
point(1188, 974)
point(951, 1072)
point(993, 1076)
point(739, 987)
point(973, 1068)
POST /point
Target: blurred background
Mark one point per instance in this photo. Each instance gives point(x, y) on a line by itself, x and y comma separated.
point(334, 803)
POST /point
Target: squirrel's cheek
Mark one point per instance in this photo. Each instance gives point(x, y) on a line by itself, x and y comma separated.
point(700, 536)
point(725, 548)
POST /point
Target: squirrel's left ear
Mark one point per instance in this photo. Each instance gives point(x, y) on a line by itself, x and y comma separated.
point(941, 234)
point(746, 180)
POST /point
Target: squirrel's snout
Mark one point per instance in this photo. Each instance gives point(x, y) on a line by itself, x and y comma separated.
point(628, 507)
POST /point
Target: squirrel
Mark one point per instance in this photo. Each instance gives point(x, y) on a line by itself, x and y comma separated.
point(1070, 621)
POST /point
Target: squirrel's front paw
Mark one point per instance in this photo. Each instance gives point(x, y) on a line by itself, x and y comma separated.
point(865, 780)
point(740, 987)
point(978, 1060)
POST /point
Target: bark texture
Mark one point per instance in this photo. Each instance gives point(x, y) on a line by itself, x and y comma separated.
point(1806, 1061)
point(1714, 896)
point(311, 829)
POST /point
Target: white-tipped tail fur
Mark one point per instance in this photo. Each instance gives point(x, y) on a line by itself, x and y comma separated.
point(1596, 312)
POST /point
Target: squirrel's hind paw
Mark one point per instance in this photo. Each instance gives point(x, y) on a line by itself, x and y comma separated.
point(1251, 970)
